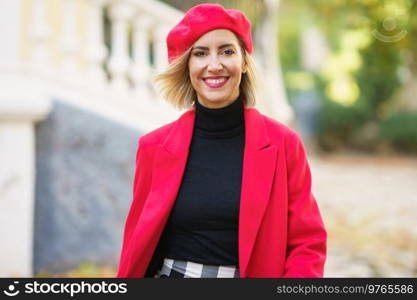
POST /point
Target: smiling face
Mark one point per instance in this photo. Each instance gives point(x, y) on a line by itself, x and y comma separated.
point(215, 66)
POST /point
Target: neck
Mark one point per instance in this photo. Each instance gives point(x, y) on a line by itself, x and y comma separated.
point(219, 119)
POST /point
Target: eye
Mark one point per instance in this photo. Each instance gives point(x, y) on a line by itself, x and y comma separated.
point(198, 53)
point(229, 51)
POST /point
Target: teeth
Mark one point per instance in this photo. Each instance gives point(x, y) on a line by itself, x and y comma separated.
point(216, 81)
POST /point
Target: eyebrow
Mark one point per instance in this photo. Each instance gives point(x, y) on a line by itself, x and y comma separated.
point(206, 48)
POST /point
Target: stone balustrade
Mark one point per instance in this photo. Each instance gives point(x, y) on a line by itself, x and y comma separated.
point(99, 55)
point(69, 59)
point(136, 48)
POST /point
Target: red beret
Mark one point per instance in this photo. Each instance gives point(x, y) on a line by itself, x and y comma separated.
point(203, 18)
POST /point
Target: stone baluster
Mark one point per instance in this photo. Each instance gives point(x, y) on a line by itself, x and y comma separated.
point(160, 49)
point(40, 32)
point(141, 68)
point(96, 50)
point(70, 43)
point(120, 14)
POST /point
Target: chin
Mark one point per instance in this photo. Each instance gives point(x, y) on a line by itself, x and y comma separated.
point(216, 98)
point(215, 101)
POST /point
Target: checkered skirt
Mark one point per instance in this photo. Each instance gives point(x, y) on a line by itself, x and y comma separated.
point(187, 269)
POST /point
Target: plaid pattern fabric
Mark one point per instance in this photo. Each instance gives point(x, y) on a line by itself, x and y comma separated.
point(187, 269)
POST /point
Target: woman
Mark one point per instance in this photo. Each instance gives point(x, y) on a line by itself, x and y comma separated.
point(223, 191)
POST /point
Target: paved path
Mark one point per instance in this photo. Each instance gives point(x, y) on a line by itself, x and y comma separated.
point(369, 206)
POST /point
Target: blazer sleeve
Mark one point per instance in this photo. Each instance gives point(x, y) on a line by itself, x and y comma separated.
point(141, 186)
point(307, 236)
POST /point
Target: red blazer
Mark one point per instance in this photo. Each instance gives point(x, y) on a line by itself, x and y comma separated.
point(281, 232)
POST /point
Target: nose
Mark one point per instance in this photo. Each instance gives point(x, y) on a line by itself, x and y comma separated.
point(214, 65)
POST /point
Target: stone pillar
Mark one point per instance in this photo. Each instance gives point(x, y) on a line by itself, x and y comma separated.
point(20, 108)
point(21, 105)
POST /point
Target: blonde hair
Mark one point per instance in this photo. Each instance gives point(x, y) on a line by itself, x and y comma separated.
point(175, 86)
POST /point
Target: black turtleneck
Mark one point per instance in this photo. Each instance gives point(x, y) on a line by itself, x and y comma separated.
point(203, 224)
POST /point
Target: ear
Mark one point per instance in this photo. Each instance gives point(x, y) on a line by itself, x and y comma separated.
point(244, 69)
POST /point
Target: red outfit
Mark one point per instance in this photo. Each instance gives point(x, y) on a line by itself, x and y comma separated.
point(281, 232)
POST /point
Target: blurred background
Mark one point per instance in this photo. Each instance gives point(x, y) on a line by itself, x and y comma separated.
point(76, 94)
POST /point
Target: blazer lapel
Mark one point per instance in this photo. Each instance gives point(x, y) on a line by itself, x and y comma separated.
point(167, 172)
point(258, 172)
point(169, 167)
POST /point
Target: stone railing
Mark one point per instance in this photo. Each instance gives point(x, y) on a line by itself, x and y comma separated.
point(95, 54)
point(99, 54)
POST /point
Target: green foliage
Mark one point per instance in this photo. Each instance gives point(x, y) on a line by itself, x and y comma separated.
point(401, 130)
point(378, 78)
point(337, 123)
point(376, 74)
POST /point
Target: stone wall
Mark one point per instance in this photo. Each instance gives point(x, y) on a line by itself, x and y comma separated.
point(84, 166)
